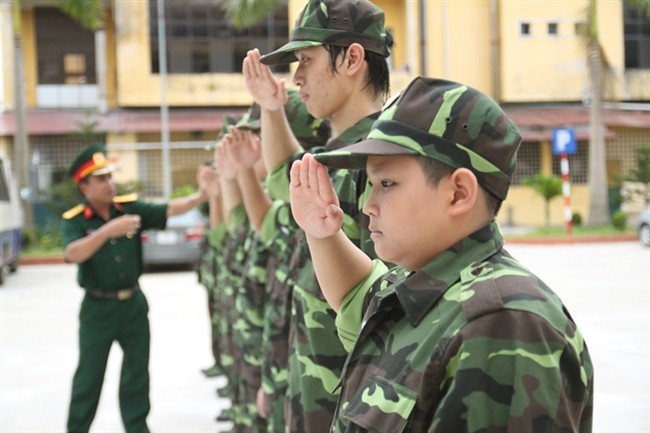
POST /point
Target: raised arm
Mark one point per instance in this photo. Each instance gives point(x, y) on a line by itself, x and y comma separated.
point(181, 205)
point(244, 152)
point(230, 193)
point(338, 263)
point(278, 141)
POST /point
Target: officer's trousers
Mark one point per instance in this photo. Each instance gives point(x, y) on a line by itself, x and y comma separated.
point(101, 322)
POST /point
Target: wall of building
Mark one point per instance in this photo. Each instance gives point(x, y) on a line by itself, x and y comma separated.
point(525, 208)
point(7, 96)
point(138, 87)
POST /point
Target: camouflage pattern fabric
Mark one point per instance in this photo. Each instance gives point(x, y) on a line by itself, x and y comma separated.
point(248, 331)
point(229, 278)
point(280, 239)
point(211, 245)
point(334, 22)
point(472, 342)
point(316, 354)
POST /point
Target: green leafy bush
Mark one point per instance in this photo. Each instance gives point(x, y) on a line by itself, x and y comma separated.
point(576, 219)
point(619, 220)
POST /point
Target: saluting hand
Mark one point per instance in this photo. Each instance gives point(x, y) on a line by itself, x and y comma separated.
point(227, 170)
point(314, 203)
point(268, 91)
point(244, 150)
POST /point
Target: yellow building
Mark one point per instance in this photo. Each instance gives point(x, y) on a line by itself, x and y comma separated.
point(527, 54)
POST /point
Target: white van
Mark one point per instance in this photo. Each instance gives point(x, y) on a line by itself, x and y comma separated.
point(11, 221)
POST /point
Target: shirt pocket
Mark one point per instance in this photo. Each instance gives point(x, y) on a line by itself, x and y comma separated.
point(381, 406)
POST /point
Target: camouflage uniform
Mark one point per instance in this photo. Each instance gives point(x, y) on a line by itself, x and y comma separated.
point(473, 341)
point(210, 251)
point(279, 235)
point(247, 331)
point(229, 280)
point(316, 353)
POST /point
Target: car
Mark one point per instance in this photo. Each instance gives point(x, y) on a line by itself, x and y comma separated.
point(11, 221)
point(643, 227)
point(178, 244)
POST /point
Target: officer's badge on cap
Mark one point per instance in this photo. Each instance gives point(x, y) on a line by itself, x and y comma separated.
point(450, 122)
point(334, 22)
point(90, 161)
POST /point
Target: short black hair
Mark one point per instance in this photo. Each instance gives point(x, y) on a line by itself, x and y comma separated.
point(378, 70)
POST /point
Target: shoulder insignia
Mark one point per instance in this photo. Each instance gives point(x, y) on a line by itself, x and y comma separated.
point(127, 198)
point(71, 213)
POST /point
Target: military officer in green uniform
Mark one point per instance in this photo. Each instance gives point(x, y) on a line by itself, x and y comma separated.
point(102, 235)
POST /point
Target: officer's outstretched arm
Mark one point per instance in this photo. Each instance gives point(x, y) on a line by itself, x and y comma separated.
point(339, 264)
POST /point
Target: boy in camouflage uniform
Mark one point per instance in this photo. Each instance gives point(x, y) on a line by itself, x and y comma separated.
point(459, 337)
point(341, 47)
point(270, 220)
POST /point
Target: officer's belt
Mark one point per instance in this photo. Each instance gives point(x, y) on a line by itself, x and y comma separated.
point(120, 295)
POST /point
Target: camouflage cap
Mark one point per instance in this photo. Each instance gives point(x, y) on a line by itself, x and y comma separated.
point(90, 161)
point(450, 122)
point(334, 22)
point(225, 125)
point(309, 131)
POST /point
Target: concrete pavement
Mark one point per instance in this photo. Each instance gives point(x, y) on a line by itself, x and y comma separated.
point(605, 286)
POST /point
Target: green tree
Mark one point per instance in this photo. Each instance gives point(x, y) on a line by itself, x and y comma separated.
point(245, 13)
point(598, 64)
point(549, 187)
point(640, 176)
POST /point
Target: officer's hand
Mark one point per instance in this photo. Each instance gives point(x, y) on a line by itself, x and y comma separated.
point(204, 176)
point(314, 203)
point(260, 401)
point(126, 225)
point(268, 91)
point(212, 186)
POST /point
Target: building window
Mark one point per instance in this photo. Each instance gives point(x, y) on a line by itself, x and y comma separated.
point(528, 163)
point(636, 30)
point(74, 68)
point(552, 29)
point(200, 39)
point(578, 164)
point(580, 28)
point(524, 29)
point(66, 51)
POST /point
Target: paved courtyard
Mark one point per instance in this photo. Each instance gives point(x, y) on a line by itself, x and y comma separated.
point(606, 287)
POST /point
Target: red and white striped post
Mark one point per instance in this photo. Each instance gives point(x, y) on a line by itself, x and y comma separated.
point(566, 192)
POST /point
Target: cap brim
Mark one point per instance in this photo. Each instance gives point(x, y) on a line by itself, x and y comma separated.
point(284, 54)
point(355, 155)
point(103, 170)
point(254, 126)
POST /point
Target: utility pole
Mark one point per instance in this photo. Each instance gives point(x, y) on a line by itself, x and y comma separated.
point(164, 109)
point(21, 140)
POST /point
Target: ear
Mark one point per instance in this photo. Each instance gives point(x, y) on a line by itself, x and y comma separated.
point(465, 192)
point(354, 58)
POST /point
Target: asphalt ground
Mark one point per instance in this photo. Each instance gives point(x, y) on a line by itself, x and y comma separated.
point(605, 286)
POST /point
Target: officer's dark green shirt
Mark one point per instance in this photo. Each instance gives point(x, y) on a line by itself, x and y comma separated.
point(118, 263)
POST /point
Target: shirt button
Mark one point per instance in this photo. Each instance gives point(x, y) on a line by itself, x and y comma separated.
point(118, 258)
point(122, 276)
point(113, 241)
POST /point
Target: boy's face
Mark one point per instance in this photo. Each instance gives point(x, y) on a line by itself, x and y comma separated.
point(98, 190)
point(409, 223)
point(321, 90)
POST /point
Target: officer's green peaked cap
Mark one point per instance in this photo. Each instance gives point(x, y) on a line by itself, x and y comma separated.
point(334, 22)
point(450, 122)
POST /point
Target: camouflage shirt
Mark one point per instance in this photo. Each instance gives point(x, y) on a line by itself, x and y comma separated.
point(471, 342)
